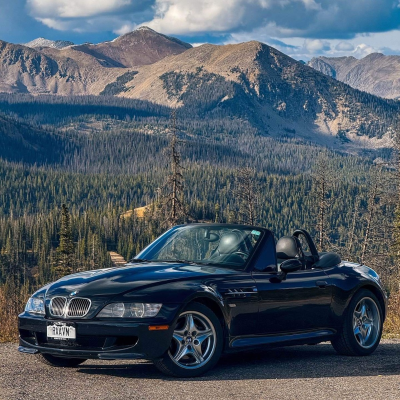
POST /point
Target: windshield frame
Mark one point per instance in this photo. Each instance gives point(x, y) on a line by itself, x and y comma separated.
point(156, 245)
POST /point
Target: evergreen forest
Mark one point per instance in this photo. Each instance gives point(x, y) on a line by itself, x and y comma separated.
point(72, 168)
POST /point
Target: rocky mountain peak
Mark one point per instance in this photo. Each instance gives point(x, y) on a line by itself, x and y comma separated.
point(42, 42)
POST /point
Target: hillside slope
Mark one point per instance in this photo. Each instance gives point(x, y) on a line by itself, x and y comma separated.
point(52, 71)
point(276, 93)
point(80, 70)
point(140, 47)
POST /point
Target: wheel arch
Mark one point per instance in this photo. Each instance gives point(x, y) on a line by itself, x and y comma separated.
point(213, 304)
point(378, 293)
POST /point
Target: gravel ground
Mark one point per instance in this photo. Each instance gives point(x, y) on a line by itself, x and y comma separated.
point(302, 372)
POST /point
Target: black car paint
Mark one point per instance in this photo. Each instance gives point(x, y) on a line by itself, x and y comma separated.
point(255, 306)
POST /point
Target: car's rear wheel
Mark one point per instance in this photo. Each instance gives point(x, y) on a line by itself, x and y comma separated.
point(55, 361)
point(196, 344)
point(362, 328)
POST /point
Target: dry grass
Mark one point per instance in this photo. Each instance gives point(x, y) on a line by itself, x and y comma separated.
point(139, 212)
point(12, 303)
point(391, 328)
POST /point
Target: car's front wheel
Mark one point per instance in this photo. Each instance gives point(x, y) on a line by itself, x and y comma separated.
point(55, 361)
point(196, 345)
point(362, 327)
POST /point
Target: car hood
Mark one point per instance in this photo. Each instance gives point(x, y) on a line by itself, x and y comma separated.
point(115, 281)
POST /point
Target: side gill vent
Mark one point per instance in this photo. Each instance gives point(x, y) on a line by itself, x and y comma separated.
point(241, 292)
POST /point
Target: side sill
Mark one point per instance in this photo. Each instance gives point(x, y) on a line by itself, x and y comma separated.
point(250, 341)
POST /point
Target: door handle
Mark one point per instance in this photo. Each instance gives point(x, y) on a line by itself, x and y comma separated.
point(322, 284)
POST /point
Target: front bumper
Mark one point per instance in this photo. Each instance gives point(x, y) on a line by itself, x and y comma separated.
point(105, 340)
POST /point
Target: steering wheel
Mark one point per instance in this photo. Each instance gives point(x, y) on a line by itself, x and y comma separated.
point(314, 253)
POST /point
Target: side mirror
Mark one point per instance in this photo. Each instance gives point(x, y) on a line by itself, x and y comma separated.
point(291, 266)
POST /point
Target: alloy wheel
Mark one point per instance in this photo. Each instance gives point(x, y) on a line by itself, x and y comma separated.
point(194, 340)
point(366, 322)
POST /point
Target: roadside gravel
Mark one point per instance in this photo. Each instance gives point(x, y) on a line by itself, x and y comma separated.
point(300, 373)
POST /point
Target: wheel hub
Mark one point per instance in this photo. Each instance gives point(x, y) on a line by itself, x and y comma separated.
point(194, 340)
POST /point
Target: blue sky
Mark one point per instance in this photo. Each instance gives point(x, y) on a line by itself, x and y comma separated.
point(300, 28)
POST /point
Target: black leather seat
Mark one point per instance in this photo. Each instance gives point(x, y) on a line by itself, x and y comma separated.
point(229, 243)
point(287, 247)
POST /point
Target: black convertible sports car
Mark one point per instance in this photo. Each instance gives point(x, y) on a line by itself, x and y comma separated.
point(203, 289)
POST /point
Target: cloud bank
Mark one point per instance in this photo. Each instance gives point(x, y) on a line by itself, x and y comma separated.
point(324, 26)
point(320, 19)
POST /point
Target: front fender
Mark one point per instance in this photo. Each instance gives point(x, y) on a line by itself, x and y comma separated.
point(347, 280)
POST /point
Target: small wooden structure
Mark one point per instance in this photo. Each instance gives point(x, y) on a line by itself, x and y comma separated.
point(117, 259)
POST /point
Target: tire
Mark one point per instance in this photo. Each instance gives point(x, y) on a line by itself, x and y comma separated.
point(55, 361)
point(189, 346)
point(353, 338)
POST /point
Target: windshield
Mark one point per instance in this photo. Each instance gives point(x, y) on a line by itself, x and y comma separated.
point(215, 244)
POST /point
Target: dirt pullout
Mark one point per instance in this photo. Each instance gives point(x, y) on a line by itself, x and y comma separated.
point(306, 372)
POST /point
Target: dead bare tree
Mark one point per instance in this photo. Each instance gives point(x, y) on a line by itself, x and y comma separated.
point(395, 247)
point(372, 210)
point(323, 179)
point(172, 208)
point(377, 246)
point(352, 233)
point(247, 193)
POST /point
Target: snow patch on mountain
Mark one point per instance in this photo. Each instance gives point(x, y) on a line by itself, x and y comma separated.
point(42, 42)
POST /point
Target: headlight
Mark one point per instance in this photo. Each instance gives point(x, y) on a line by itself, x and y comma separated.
point(35, 306)
point(130, 310)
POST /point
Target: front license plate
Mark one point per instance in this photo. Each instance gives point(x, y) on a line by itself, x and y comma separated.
point(61, 331)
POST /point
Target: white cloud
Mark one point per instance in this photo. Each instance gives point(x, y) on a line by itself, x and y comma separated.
point(128, 27)
point(188, 16)
point(317, 45)
point(363, 50)
point(300, 28)
point(327, 19)
point(119, 16)
point(344, 46)
point(56, 24)
point(73, 8)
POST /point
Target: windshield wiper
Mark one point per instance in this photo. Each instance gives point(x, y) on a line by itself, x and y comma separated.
point(181, 261)
point(139, 260)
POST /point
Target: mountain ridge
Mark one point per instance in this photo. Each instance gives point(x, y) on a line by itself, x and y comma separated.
point(376, 73)
point(266, 86)
point(252, 81)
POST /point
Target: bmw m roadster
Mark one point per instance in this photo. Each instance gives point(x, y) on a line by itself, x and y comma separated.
point(203, 289)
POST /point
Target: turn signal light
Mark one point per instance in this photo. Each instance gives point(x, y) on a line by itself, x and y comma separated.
point(158, 327)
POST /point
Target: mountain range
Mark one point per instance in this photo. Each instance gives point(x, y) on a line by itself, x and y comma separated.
point(376, 73)
point(276, 94)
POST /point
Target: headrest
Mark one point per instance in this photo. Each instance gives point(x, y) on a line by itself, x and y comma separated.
point(287, 247)
point(229, 243)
